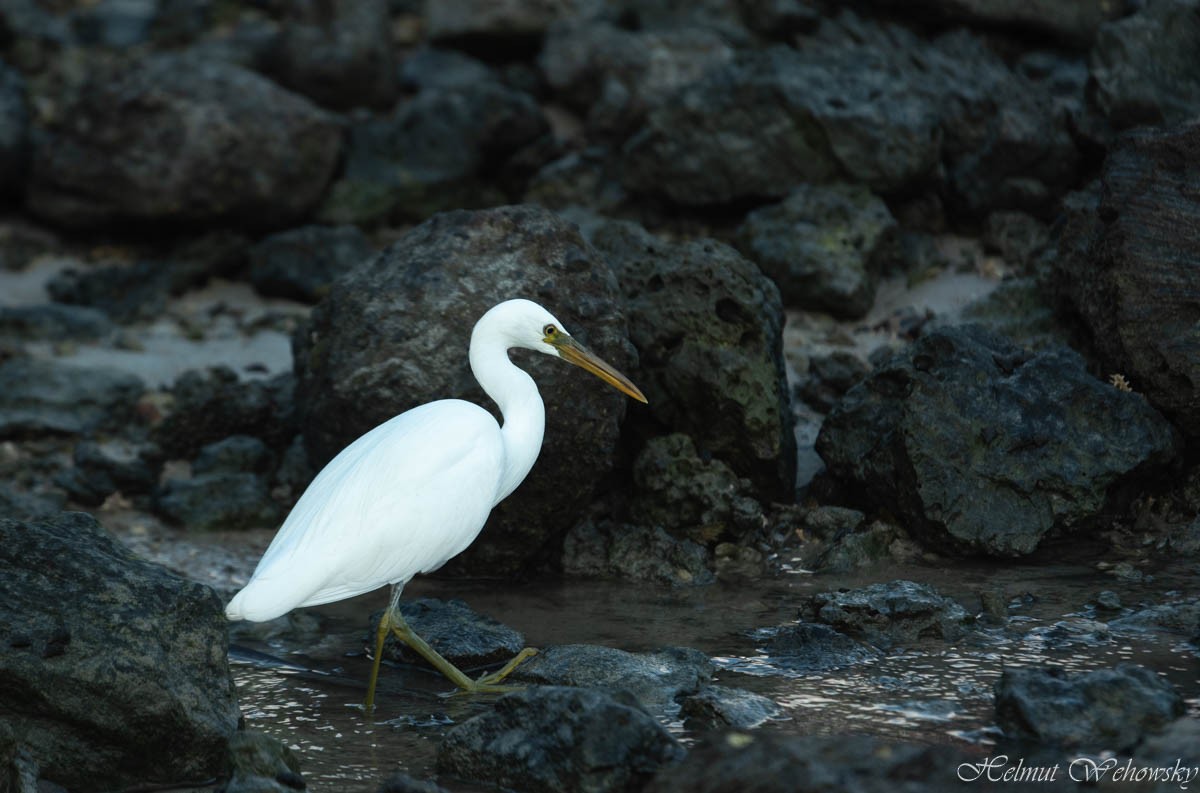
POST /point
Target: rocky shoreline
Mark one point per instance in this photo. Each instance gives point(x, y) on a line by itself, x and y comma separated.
point(235, 236)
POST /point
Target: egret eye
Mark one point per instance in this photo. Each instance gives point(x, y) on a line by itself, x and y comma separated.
point(550, 330)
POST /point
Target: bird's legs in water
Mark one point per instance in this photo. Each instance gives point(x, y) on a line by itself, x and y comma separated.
point(393, 622)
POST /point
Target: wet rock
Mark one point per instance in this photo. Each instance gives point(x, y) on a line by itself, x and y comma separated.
point(770, 762)
point(260, 763)
point(1076, 22)
point(500, 24)
point(300, 264)
point(720, 707)
point(829, 521)
point(863, 546)
point(822, 246)
point(734, 563)
point(615, 76)
point(401, 782)
point(550, 738)
point(606, 548)
point(889, 614)
point(981, 447)
point(1145, 68)
point(173, 138)
point(393, 334)
point(1103, 709)
point(224, 500)
point(339, 54)
point(708, 329)
point(134, 653)
point(1127, 264)
point(14, 131)
point(1108, 601)
point(436, 151)
point(104, 467)
point(54, 322)
point(463, 636)
point(689, 497)
point(39, 397)
point(210, 406)
point(1178, 743)
point(811, 647)
point(830, 376)
point(1181, 617)
point(655, 678)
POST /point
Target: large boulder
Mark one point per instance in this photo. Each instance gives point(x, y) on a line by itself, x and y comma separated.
point(708, 328)
point(114, 671)
point(982, 447)
point(178, 138)
point(339, 54)
point(1145, 68)
point(1129, 263)
point(394, 332)
point(436, 151)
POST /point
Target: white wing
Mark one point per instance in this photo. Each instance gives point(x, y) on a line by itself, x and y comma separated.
point(402, 499)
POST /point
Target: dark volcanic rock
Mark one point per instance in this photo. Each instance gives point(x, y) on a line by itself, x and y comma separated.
point(260, 763)
point(981, 447)
point(821, 246)
point(1145, 68)
point(463, 636)
point(708, 328)
point(339, 54)
point(104, 467)
point(401, 782)
point(549, 739)
point(768, 762)
point(888, 614)
point(605, 548)
point(301, 263)
point(861, 102)
point(811, 647)
point(54, 322)
point(718, 707)
point(830, 376)
point(114, 670)
point(14, 131)
point(210, 406)
point(500, 22)
point(690, 497)
point(173, 138)
point(1130, 265)
point(1104, 709)
point(436, 151)
point(616, 76)
point(1074, 20)
point(236, 453)
point(655, 678)
point(228, 500)
point(40, 397)
point(393, 334)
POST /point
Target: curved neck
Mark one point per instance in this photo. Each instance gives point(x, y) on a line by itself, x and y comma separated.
point(520, 404)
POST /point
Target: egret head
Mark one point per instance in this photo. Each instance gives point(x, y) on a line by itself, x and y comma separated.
point(535, 328)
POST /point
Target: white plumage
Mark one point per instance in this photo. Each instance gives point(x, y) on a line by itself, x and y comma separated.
point(415, 491)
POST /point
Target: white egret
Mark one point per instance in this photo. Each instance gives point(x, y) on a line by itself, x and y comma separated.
point(415, 491)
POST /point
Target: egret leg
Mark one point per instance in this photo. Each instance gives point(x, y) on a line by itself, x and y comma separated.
point(393, 622)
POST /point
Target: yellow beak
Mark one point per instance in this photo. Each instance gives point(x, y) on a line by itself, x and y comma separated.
point(572, 351)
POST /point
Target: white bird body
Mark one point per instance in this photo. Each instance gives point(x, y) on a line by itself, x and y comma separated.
point(416, 491)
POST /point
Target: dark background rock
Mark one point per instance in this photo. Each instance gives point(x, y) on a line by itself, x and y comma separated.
point(185, 140)
point(546, 739)
point(981, 447)
point(40, 397)
point(260, 763)
point(1130, 266)
point(462, 636)
point(822, 246)
point(718, 707)
point(14, 131)
point(394, 333)
point(54, 322)
point(1145, 68)
point(888, 614)
point(1103, 709)
point(302, 263)
point(656, 678)
point(1075, 21)
point(812, 647)
point(104, 467)
point(212, 405)
point(708, 327)
point(114, 671)
point(599, 547)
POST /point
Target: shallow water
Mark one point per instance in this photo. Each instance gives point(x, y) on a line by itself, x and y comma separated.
point(932, 692)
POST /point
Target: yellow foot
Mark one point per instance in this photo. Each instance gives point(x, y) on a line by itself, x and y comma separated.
point(490, 683)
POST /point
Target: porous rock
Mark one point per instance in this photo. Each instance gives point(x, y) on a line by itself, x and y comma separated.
point(888, 614)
